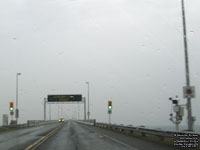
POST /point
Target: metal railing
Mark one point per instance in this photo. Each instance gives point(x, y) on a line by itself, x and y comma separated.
point(144, 131)
point(14, 126)
point(30, 123)
point(88, 122)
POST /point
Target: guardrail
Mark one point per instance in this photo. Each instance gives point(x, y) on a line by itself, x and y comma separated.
point(39, 122)
point(143, 131)
point(14, 126)
point(165, 137)
point(30, 123)
point(88, 122)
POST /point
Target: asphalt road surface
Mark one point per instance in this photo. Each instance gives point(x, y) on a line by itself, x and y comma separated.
point(76, 136)
point(21, 138)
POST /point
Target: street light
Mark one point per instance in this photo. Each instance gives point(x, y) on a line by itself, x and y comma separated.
point(88, 113)
point(191, 119)
point(17, 110)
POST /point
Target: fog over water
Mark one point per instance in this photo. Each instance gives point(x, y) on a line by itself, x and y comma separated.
point(130, 52)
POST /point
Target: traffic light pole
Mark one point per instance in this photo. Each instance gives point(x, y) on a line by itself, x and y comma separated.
point(189, 107)
point(109, 118)
point(109, 110)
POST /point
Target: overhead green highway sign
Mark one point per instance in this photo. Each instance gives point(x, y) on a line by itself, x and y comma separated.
point(65, 98)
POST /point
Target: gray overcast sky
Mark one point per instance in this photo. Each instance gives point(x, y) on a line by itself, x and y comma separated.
point(131, 51)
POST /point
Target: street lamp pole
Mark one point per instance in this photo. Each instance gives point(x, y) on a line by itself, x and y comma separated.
point(189, 106)
point(45, 101)
point(88, 113)
point(17, 110)
point(84, 99)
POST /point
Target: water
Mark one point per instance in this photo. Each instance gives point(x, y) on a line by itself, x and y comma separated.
point(173, 128)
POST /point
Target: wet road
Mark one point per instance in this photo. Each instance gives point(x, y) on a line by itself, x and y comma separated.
point(75, 136)
point(21, 138)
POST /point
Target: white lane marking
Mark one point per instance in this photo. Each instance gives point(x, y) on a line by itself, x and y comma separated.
point(100, 136)
point(120, 142)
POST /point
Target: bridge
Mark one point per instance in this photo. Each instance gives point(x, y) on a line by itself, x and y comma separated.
point(84, 135)
point(124, 48)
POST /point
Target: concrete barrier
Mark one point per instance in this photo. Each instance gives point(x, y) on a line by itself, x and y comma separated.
point(165, 137)
point(30, 123)
point(88, 122)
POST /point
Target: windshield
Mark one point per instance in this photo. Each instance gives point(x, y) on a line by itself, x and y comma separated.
point(98, 74)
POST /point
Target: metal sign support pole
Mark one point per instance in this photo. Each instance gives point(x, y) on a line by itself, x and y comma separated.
point(78, 111)
point(49, 111)
point(45, 109)
point(189, 107)
point(84, 99)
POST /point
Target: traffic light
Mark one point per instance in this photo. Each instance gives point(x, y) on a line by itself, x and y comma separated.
point(109, 104)
point(11, 106)
point(174, 101)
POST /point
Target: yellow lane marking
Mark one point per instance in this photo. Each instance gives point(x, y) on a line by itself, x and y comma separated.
point(42, 139)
